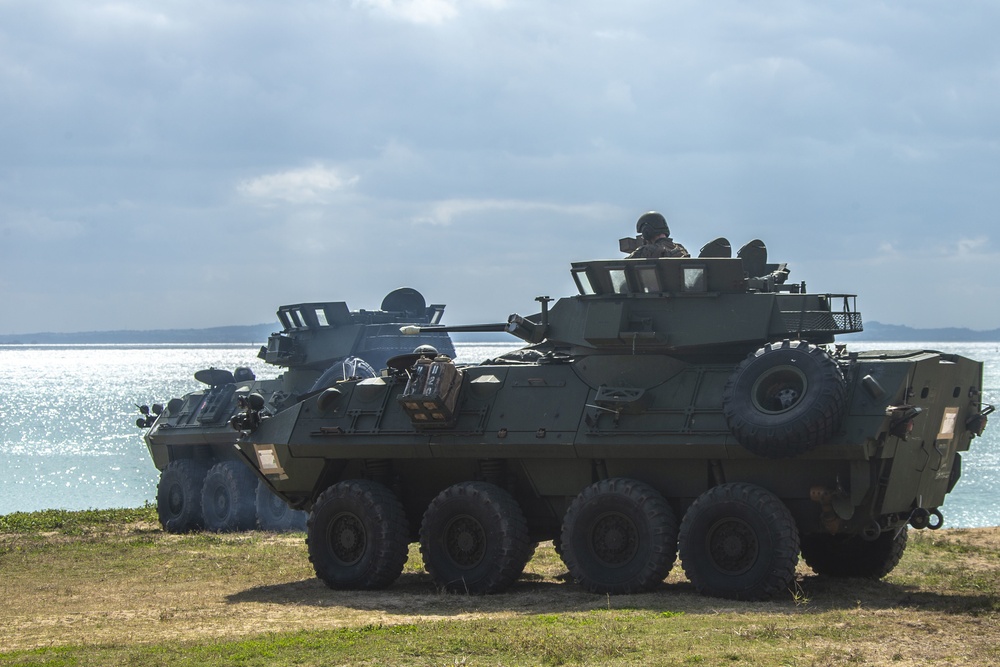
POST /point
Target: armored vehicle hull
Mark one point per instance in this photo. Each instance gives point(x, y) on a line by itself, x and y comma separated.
point(675, 407)
point(204, 481)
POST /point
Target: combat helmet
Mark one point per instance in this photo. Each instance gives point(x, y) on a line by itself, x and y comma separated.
point(651, 225)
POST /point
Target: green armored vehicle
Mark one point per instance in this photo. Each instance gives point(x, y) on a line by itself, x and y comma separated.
point(204, 481)
point(696, 407)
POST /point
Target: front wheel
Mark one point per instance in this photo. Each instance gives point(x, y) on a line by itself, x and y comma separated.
point(357, 536)
point(619, 536)
point(739, 541)
point(474, 539)
point(178, 496)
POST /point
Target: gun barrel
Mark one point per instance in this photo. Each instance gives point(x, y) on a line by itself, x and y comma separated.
point(458, 328)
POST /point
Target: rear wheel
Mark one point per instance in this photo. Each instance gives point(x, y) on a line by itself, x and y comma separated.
point(178, 496)
point(854, 556)
point(739, 541)
point(619, 536)
point(227, 498)
point(357, 536)
point(474, 539)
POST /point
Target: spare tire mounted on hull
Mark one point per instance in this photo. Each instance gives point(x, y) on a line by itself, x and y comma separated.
point(785, 399)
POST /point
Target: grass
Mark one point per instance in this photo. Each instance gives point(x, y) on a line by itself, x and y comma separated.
point(110, 588)
point(74, 522)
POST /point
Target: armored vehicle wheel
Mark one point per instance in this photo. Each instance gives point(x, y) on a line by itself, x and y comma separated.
point(619, 536)
point(854, 556)
point(739, 541)
point(178, 496)
point(357, 536)
point(274, 514)
point(474, 539)
point(785, 399)
point(227, 498)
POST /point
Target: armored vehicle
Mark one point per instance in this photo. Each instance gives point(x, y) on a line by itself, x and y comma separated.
point(204, 481)
point(694, 407)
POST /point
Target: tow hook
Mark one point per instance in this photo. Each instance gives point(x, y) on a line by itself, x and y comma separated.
point(977, 423)
point(902, 419)
point(871, 532)
point(921, 518)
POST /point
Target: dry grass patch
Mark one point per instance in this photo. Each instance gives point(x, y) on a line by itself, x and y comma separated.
point(131, 594)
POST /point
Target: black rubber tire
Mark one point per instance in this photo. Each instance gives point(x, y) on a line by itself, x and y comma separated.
point(474, 539)
point(357, 536)
point(228, 498)
point(739, 541)
point(557, 545)
point(785, 399)
point(178, 496)
point(619, 536)
point(274, 514)
point(854, 556)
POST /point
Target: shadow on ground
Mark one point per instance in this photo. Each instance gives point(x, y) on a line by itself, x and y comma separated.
point(417, 594)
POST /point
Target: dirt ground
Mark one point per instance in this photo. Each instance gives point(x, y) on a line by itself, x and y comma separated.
point(145, 586)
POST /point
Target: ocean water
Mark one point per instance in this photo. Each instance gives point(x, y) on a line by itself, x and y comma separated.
point(68, 438)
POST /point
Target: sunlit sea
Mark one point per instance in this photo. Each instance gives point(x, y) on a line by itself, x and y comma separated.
point(68, 438)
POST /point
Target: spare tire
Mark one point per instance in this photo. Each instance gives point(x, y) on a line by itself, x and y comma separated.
point(785, 399)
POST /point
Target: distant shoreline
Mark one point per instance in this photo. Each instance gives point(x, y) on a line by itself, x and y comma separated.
point(257, 334)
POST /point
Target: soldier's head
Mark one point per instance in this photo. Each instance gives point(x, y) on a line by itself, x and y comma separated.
point(651, 225)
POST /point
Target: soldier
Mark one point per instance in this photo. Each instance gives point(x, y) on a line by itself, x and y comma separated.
point(656, 238)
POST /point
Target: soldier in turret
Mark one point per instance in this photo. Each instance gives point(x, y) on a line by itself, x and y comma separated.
point(656, 241)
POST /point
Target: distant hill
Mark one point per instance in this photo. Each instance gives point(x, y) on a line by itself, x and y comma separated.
point(249, 334)
point(876, 331)
point(257, 334)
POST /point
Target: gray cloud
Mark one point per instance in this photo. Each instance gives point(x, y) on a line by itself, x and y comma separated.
point(196, 164)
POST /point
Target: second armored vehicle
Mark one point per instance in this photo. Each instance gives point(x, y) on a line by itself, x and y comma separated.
point(693, 407)
point(203, 480)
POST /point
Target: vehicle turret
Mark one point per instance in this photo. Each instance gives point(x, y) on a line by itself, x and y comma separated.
point(682, 307)
point(315, 337)
point(203, 479)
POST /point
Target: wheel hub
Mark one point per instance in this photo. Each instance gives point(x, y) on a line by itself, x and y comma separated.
point(787, 398)
point(733, 546)
point(779, 390)
point(614, 539)
point(347, 538)
point(175, 499)
point(221, 502)
point(465, 541)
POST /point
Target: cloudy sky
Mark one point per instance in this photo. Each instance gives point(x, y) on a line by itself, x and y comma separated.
point(190, 164)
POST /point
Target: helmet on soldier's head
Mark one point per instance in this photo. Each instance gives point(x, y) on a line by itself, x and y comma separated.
point(651, 225)
point(426, 350)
